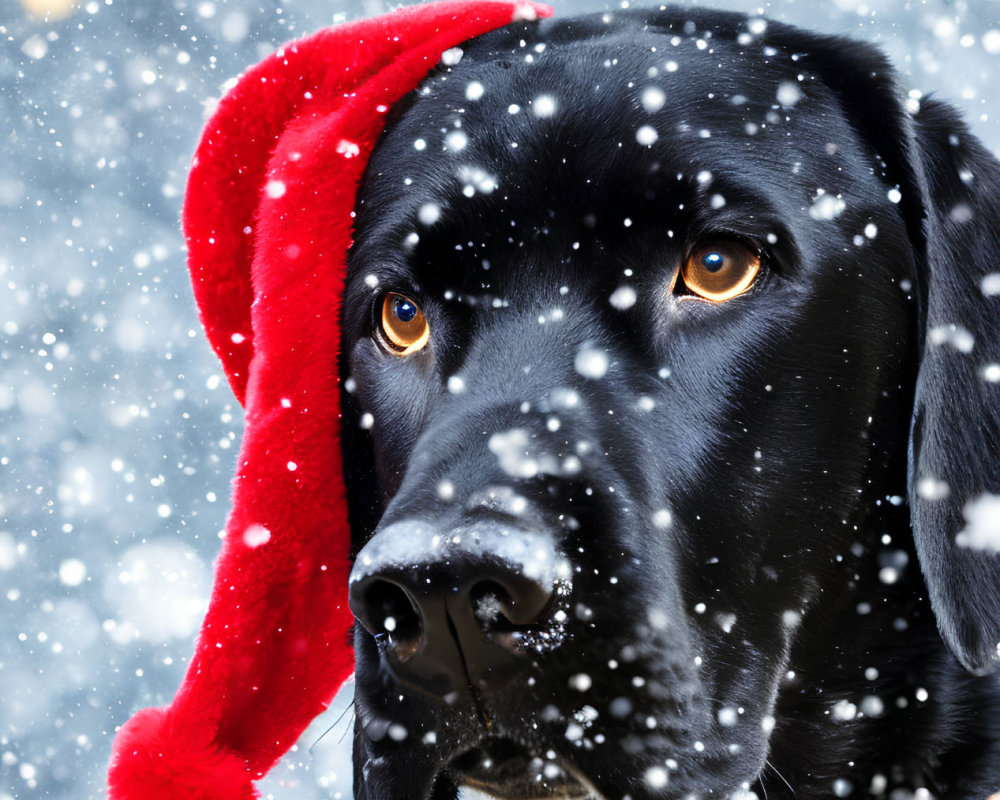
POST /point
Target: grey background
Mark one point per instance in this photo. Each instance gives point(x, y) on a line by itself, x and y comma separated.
point(118, 433)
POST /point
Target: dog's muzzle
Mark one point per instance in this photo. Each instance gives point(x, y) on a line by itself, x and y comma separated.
point(458, 610)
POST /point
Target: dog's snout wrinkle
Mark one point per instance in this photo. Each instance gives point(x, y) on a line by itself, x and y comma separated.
point(449, 611)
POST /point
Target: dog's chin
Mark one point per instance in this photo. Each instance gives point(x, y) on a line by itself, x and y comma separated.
point(501, 768)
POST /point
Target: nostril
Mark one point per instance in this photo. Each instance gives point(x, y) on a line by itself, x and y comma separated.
point(389, 614)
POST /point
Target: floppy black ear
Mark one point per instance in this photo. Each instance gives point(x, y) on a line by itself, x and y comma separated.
point(954, 481)
point(950, 200)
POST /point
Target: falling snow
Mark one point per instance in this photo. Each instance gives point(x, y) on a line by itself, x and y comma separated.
point(789, 93)
point(544, 106)
point(952, 335)
point(982, 529)
point(646, 135)
point(933, 489)
point(844, 711)
point(991, 284)
point(591, 361)
point(474, 91)
point(653, 98)
point(452, 56)
point(827, 206)
point(255, 536)
point(657, 777)
point(275, 189)
point(623, 298)
point(119, 434)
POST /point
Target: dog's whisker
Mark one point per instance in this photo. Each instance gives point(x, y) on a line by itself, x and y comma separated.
point(349, 708)
point(777, 772)
point(347, 729)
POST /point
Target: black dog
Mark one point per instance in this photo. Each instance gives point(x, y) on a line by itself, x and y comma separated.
point(670, 344)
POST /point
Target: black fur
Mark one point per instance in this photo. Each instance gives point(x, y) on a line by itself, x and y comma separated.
point(801, 623)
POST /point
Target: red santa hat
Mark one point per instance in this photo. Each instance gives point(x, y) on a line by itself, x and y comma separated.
point(268, 220)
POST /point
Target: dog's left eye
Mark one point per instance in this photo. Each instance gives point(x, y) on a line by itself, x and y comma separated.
point(720, 270)
point(402, 326)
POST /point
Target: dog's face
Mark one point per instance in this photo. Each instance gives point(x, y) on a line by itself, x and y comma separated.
point(630, 335)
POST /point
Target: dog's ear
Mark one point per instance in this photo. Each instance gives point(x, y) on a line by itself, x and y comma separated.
point(954, 482)
point(948, 188)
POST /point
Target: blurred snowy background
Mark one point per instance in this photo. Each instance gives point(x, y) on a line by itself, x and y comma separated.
point(118, 433)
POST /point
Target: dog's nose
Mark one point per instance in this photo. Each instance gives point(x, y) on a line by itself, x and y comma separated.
point(459, 609)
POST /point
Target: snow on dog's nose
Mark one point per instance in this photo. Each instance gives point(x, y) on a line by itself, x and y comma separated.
point(457, 608)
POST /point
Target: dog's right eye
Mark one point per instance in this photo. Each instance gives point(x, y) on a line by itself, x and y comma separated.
point(402, 326)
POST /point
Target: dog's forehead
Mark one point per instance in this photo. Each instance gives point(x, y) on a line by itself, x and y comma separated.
point(544, 123)
point(612, 96)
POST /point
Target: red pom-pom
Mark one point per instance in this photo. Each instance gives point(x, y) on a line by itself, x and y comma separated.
point(155, 761)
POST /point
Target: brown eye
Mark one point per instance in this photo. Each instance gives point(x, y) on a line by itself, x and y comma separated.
point(720, 270)
point(403, 328)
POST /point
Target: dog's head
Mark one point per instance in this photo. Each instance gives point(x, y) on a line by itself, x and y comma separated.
point(659, 329)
